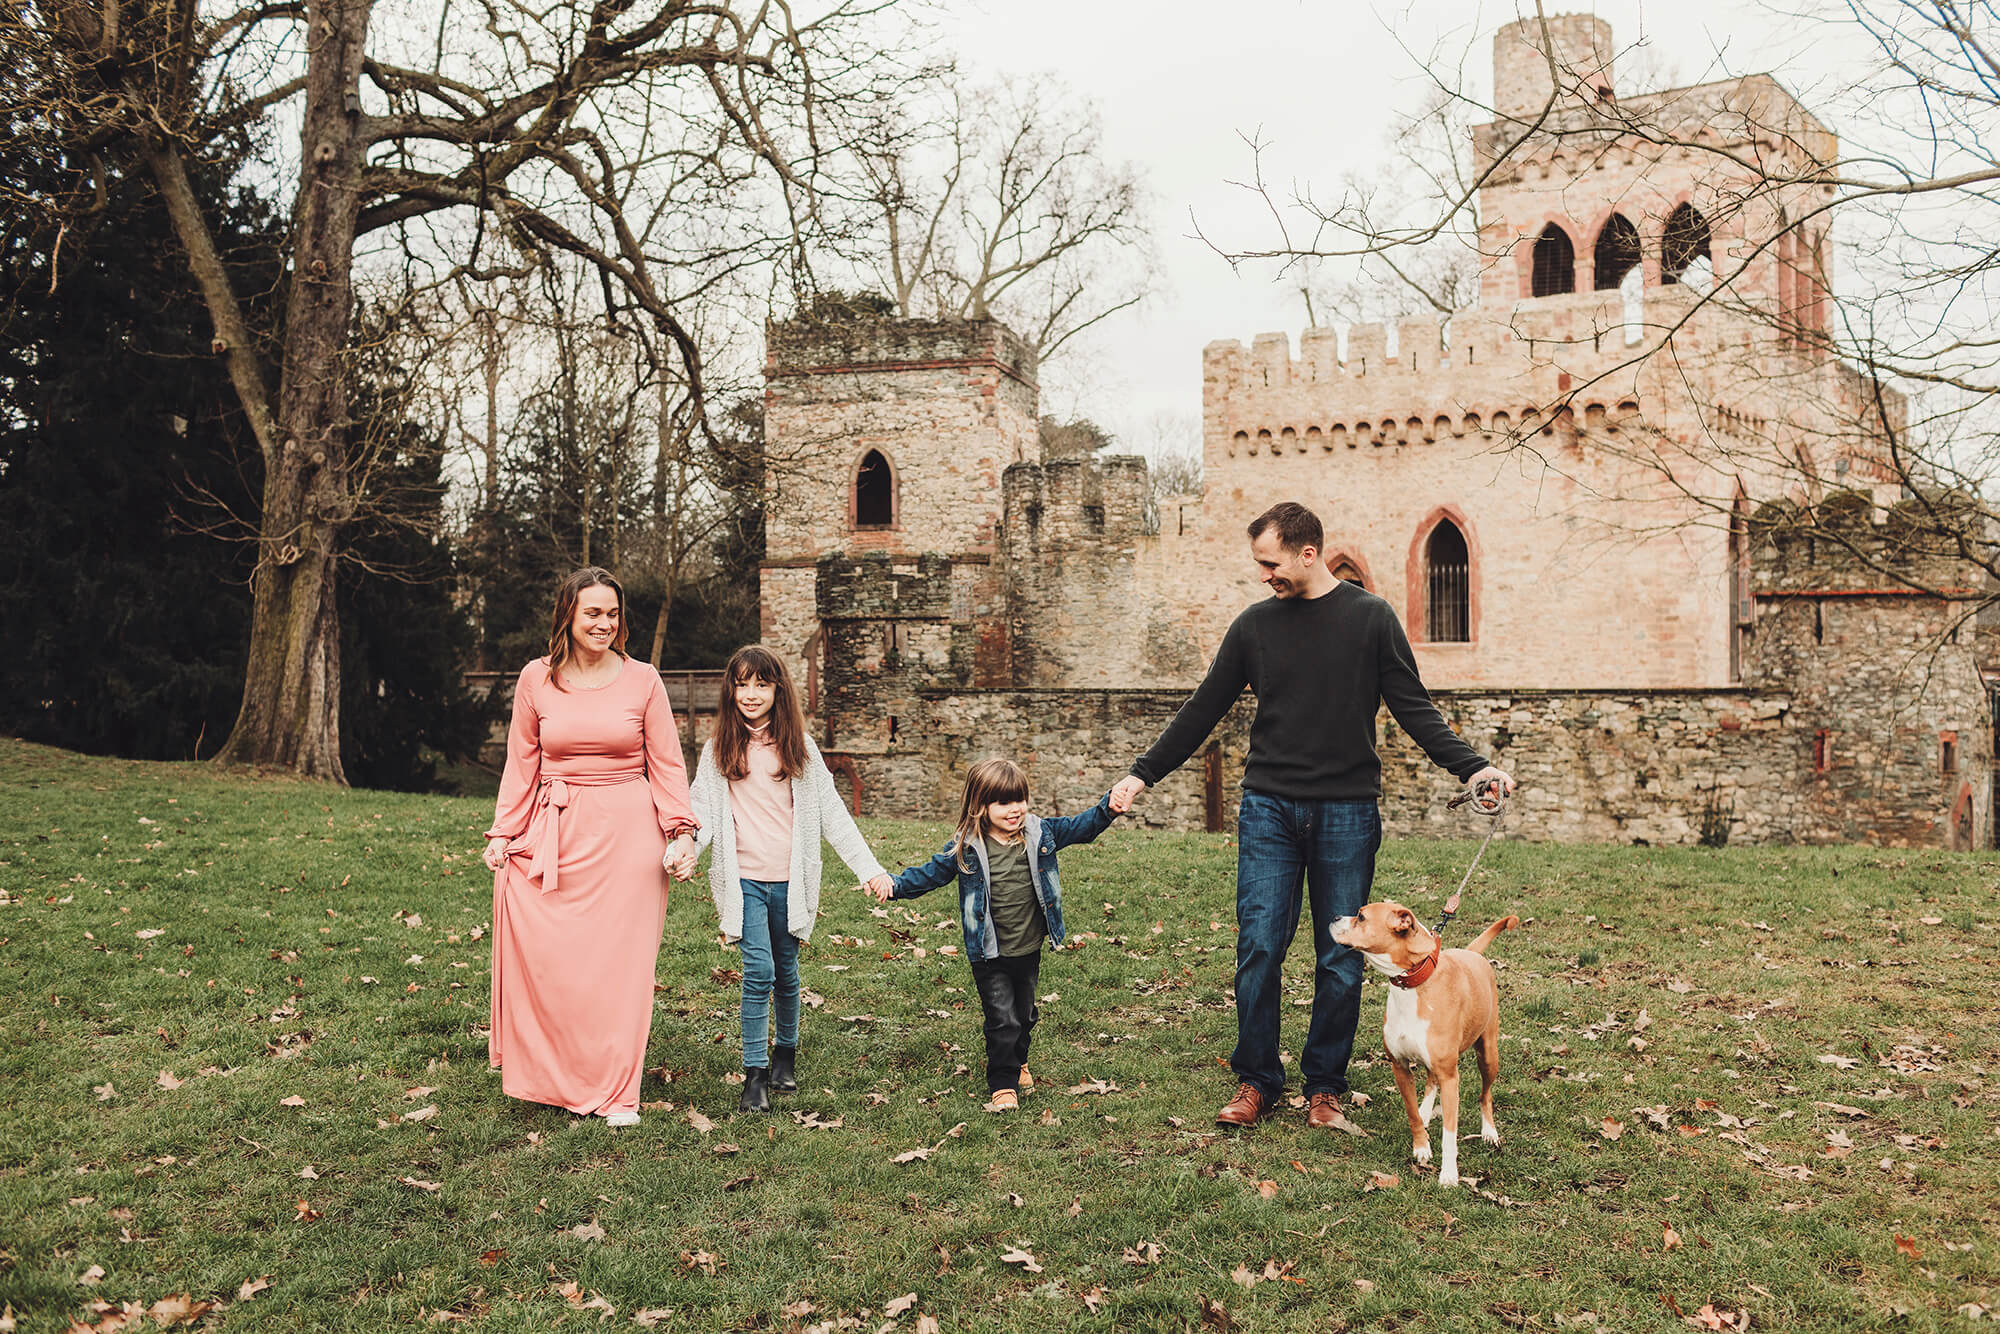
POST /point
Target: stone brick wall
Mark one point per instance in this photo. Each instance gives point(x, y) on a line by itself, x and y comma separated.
point(1074, 744)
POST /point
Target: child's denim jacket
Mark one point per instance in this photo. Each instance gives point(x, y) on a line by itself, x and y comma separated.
point(1044, 837)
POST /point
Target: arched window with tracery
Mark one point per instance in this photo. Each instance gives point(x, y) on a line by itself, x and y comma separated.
point(1447, 586)
point(1684, 246)
point(874, 492)
point(1616, 254)
point(1555, 263)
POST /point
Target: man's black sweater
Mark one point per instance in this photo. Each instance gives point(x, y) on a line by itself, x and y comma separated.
point(1318, 668)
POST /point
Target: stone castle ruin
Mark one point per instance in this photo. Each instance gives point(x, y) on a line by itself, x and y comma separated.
point(1570, 493)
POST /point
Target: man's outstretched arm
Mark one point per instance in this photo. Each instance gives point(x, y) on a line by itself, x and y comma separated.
point(1190, 727)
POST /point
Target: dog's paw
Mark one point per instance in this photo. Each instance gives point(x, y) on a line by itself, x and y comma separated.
point(1448, 1177)
point(1491, 1134)
point(1420, 1153)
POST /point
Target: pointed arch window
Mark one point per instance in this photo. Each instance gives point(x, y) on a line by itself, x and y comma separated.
point(1684, 245)
point(1447, 586)
point(1555, 262)
point(1617, 252)
point(874, 504)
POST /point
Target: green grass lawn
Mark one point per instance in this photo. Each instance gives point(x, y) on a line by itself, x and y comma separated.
point(1761, 1081)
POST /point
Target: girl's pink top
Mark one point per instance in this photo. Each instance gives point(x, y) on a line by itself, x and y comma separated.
point(761, 801)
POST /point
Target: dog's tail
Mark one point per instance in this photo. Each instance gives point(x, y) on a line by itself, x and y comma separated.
point(1486, 937)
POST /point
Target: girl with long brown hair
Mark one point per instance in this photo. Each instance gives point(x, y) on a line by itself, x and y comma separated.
point(766, 798)
point(1010, 902)
point(593, 799)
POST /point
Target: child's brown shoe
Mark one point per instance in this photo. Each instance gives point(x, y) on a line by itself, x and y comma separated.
point(1004, 1100)
point(1027, 1082)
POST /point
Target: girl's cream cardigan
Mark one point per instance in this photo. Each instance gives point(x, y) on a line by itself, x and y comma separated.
point(817, 812)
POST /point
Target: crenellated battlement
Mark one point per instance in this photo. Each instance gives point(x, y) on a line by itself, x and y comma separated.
point(877, 587)
point(1563, 367)
point(1847, 545)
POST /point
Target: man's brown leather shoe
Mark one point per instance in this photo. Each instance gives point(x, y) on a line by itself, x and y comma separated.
point(1324, 1111)
point(1245, 1109)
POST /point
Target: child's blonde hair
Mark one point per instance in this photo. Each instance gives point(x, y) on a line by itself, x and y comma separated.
point(986, 783)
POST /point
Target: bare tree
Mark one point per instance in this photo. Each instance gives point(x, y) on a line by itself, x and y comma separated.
point(504, 134)
point(998, 200)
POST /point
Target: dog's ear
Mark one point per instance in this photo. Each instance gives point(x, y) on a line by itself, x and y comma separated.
point(1403, 922)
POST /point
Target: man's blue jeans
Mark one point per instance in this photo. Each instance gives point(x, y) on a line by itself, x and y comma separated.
point(770, 973)
point(1328, 849)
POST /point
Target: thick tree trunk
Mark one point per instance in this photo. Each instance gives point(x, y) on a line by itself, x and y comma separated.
point(290, 716)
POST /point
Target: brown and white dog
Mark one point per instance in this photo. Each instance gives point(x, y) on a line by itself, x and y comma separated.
point(1441, 1003)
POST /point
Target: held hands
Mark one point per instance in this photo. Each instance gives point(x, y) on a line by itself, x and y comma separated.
point(880, 888)
point(1125, 791)
point(1491, 774)
point(495, 854)
point(680, 858)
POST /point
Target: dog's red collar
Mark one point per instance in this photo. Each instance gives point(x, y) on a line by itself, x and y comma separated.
point(1415, 977)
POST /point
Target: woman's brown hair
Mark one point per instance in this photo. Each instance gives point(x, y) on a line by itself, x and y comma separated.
point(986, 783)
point(787, 721)
point(562, 646)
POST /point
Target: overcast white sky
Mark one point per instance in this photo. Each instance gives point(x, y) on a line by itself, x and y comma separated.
point(1180, 83)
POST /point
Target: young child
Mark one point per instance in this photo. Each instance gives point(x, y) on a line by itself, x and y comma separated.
point(1010, 901)
point(765, 798)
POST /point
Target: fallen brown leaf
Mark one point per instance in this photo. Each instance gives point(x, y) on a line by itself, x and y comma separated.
point(179, 1309)
point(1145, 1253)
point(1908, 1246)
point(895, 1306)
point(91, 1277)
point(651, 1316)
point(700, 1122)
point(432, 1186)
point(1611, 1128)
point(1381, 1181)
point(250, 1287)
point(1268, 1189)
point(1670, 1240)
point(587, 1231)
point(1023, 1258)
point(294, 1101)
point(104, 1092)
point(169, 1080)
point(422, 1113)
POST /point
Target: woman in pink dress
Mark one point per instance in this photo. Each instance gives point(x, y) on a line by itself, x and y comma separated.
point(594, 796)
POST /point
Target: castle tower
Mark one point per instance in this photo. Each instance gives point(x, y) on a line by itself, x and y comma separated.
point(889, 437)
point(1582, 203)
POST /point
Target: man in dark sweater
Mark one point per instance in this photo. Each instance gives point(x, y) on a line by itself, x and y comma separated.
point(1320, 655)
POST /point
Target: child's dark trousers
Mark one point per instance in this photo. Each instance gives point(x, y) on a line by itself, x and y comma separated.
point(1007, 994)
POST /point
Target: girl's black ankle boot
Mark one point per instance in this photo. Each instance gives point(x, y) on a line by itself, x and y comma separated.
point(784, 1079)
point(756, 1090)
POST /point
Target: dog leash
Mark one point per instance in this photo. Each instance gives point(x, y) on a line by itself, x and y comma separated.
point(1488, 800)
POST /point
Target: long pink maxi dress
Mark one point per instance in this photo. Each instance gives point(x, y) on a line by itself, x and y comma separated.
point(594, 789)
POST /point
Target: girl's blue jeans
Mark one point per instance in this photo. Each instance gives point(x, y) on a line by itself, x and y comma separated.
point(770, 973)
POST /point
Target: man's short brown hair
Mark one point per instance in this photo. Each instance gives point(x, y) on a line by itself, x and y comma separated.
point(1297, 526)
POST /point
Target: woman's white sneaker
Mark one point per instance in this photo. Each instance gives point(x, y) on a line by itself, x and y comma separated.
point(618, 1120)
